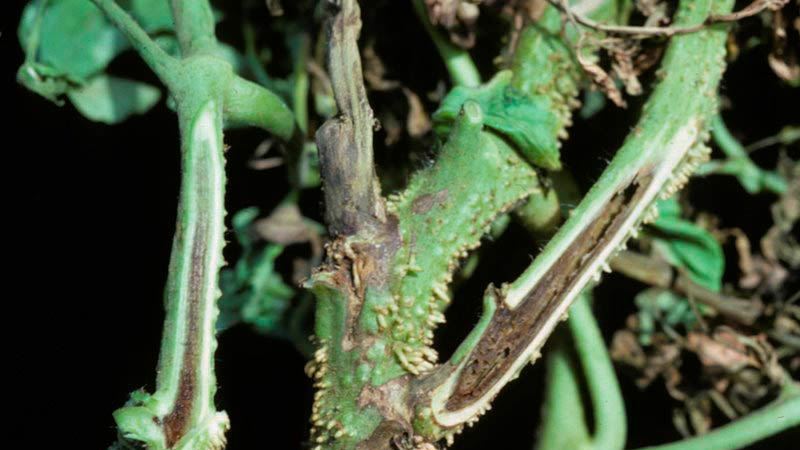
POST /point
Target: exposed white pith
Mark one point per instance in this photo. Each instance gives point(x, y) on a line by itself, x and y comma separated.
point(207, 135)
point(664, 165)
point(206, 139)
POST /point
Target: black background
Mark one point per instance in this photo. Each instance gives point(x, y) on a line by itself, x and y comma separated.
point(92, 216)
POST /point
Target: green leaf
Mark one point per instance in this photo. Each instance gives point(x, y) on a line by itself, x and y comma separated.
point(688, 246)
point(252, 291)
point(45, 81)
point(593, 103)
point(76, 39)
point(111, 100)
point(524, 120)
point(153, 15)
point(662, 306)
point(68, 42)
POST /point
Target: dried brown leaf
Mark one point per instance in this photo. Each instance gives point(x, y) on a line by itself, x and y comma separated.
point(663, 361)
point(375, 71)
point(625, 348)
point(622, 53)
point(417, 122)
point(599, 77)
point(783, 59)
point(284, 226)
point(723, 351)
point(780, 243)
point(458, 17)
point(259, 161)
point(392, 127)
point(647, 7)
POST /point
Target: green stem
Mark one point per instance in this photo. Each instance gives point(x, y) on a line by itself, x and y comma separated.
point(251, 55)
point(725, 140)
point(780, 415)
point(165, 67)
point(564, 424)
point(738, 163)
point(564, 421)
point(194, 26)
point(181, 413)
point(655, 161)
point(300, 46)
point(248, 104)
point(610, 424)
point(459, 64)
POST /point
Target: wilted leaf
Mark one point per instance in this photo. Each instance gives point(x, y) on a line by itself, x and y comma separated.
point(524, 120)
point(75, 38)
point(375, 71)
point(275, 8)
point(781, 242)
point(599, 77)
point(626, 349)
point(284, 226)
point(45, 81)
point(457, 16)
point(69, 43)
point(784, 59)
point(417, 121)
point(721, 352)
point(111, 100)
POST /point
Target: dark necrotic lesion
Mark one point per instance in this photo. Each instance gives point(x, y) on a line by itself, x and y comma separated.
point(510, 332)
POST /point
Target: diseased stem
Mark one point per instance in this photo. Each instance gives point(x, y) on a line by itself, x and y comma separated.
point(352, 192)
point(458, 62)
point(181, 413)
point(654, 161)
point(381, 294)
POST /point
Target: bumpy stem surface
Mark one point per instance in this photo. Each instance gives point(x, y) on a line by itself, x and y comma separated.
point(180, 414)
point(654, 161)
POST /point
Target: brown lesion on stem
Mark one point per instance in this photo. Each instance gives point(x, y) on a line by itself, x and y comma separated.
point(178, 421)
point(511, 331)
point(352, 193)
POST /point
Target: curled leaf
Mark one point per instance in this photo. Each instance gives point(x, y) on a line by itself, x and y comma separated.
point(524, 120)
point(688, 246)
